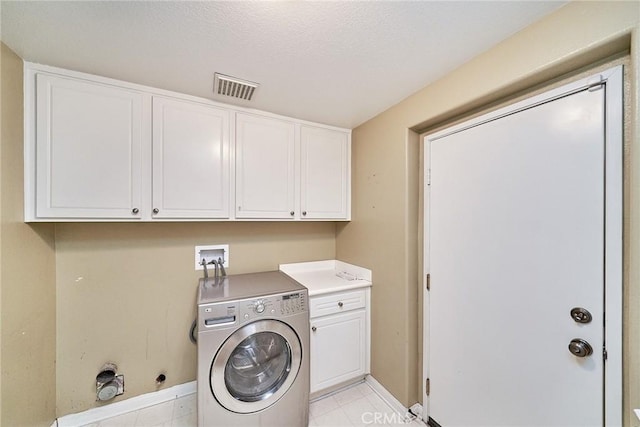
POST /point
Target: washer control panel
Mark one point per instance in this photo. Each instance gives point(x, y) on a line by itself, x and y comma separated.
point(273, 306)
point(225, 314)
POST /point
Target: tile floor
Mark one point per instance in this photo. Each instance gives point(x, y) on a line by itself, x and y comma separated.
point(355, 406)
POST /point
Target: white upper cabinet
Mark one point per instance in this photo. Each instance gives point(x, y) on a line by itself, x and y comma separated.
point(190, 160)
point(324, 170)
point(88, 150)
point(98, 149)
point(287, 170)
point(265, 167)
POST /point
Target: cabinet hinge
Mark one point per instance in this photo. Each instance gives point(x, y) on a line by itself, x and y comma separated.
point(428, 176)
point(427, 386)
point(605, 355)
point(428, 281)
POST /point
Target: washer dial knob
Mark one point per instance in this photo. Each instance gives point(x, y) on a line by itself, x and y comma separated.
point(259, 307)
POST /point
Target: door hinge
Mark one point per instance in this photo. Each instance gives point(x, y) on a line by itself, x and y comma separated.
point(596, 84)
point(427, 386)
point(428, 176)
point(605, 355)
point(428, 281)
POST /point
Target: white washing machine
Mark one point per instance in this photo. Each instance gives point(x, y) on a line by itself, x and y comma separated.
point(253, 351)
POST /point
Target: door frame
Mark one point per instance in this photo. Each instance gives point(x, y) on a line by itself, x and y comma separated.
point(612, 79)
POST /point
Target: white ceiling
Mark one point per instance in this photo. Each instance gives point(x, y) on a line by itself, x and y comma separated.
point(339, 63)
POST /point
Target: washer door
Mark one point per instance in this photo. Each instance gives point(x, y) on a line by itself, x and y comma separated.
point(256, 366)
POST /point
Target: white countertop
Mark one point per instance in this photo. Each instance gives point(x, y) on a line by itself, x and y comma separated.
point(323, 277)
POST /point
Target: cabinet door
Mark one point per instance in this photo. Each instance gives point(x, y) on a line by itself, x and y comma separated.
point(337, 349)
point(88, 149)
point(190, 160)
point(265, 168)
point(325, 173)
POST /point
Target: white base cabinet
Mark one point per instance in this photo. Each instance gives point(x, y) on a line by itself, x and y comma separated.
point(339, 351)
point(337, 344)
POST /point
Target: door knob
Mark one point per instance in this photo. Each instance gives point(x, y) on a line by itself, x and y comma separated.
point(581, 315)
point(580, 348)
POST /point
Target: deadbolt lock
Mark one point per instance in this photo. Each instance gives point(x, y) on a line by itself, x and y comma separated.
point(580, 348)
point(581, 315)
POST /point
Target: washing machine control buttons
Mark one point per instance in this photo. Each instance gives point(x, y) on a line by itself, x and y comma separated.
point(292, 304)
point(284, 305)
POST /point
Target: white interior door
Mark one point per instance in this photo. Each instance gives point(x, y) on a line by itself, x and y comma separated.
point(516, 239)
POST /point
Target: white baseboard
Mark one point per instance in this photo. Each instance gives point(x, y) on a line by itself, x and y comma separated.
point(387, 397)
point(124, 406)
point(95, 415)
point(416, 409)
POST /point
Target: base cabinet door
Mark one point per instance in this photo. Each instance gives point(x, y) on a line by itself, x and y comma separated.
point(89, 139)
point(190, 160)
point(337, 349)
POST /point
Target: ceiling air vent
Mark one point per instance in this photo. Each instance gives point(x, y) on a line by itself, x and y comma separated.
point(233, 87)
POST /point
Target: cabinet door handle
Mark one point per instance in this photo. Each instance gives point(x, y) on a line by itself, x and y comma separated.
point(340, 304)
point(304, 213)
point(313, 328)
point(156, 210)
point(292, 213)
point(135, 211)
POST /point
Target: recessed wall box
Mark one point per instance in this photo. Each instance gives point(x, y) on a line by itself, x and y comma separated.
point(211, 253)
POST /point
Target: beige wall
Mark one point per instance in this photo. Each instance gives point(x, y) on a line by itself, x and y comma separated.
point(126, 293)
point(27, 277)
point(385, 169)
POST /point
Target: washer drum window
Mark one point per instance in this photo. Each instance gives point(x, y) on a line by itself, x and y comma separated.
point(256, 366)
